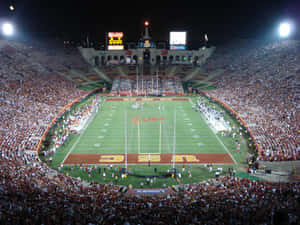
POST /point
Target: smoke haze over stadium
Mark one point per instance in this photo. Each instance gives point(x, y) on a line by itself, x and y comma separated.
point(221, 20)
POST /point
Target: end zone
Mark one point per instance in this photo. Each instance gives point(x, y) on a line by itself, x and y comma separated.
point(184, 158)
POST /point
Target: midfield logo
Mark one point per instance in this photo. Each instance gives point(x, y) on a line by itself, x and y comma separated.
point(138, 119)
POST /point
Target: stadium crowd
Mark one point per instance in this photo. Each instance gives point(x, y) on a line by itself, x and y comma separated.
point(32, 193)
point(72, 122)
point(262, 87)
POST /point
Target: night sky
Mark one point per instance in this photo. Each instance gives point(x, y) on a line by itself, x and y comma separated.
point(72, 19)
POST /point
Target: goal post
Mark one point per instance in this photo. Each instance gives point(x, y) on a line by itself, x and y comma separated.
point(159, 141)
point(125, 136)
point(174, 140)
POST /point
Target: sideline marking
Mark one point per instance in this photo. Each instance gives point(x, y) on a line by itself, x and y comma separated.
point(226, 149)
point(82, 132)
point(159, 137)
point(139, 139)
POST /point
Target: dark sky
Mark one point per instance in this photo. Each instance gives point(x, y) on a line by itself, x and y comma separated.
point(220, 19)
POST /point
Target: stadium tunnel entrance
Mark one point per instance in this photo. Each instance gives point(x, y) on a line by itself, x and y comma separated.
point(147, 56)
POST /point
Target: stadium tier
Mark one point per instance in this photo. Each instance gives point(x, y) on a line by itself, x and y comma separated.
point(48, 90)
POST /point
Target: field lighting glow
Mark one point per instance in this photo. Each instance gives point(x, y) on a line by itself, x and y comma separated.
point(7, 29)
point(284, 29)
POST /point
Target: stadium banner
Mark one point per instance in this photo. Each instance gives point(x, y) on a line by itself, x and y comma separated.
point(151, 191)
point(148, 192)
point(114, 99)
point(177, 47)
point(115, 47)
point(164, 52)
point(133, 76)
point(128, 52)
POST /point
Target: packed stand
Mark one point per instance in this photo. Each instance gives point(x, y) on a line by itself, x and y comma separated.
point(21, 59)
point(32, 193)
point(63, 200)
point(72, 122)
point(262, 88)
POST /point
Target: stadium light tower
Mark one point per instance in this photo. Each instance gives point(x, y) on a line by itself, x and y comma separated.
point(7, 29)
point(284, 29)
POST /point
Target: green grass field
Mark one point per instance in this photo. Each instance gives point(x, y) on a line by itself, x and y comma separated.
point(106, 133)
point(117, 122)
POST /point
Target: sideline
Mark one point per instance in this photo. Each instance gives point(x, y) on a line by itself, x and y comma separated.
point(219, 140)
point(81, 133)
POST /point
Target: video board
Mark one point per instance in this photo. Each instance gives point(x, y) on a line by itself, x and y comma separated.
point(178, 40)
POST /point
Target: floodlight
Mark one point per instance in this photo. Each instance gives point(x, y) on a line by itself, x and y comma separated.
point(284, 29)
point(12, 8)
point(146, 23)
point(7, 29)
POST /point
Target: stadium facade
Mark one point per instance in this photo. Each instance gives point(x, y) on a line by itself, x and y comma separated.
point(144, 55)
point(146, 52)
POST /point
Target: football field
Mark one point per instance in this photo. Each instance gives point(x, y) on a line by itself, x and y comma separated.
point(149, 130)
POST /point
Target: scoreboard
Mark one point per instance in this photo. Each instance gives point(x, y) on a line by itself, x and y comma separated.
point(115, 41)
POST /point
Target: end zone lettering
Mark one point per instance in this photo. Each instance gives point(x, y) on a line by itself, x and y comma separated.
point(187, 158)
point(151, 158)
point(111, 158)
point(155, 158)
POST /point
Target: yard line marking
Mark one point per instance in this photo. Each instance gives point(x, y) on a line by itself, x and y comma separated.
point(139, 141)
point(159, 137)
point(132, 144)
point(192, 149)
point(174, 139)
point(166, 134)
point(150, 136)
